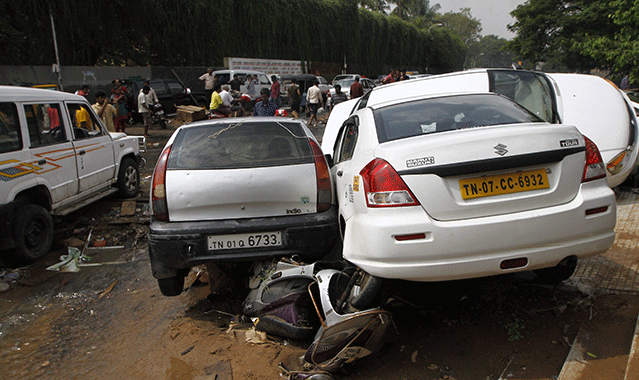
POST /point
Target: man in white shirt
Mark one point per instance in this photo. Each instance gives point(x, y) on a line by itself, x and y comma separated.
point(313, 100)
point(144, 108)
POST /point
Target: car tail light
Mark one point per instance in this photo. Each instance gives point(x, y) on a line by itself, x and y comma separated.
point(594, 168)
point(383, 187)
point(618, 162)
point(324, 188)
point(158, 189)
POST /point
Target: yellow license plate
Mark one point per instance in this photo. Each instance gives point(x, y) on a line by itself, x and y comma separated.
point(503, 184)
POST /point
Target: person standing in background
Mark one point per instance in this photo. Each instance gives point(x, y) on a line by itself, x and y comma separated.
point(209, 81)
point(119, 94)
point(105, 110)
point(294, 98)
point(356, 89)
point(275, 90)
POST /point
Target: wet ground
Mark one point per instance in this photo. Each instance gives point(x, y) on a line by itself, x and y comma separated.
point(109, 320)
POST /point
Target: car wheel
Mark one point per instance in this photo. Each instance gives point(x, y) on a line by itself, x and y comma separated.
point(129, 178)
point(365, 291)
point(34, 233)
point(171, 286)
point(558, 273)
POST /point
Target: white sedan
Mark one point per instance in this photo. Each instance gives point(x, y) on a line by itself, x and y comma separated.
point(464, 185)
point(594, 105)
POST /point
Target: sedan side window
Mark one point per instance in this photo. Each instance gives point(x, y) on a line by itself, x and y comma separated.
point(45, 124)
point(84, 122)
point(530, 90)
point(263, 79)
point(10, 137)
point(347, 142)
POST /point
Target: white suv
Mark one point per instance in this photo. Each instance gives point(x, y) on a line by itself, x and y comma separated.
point(55, 157)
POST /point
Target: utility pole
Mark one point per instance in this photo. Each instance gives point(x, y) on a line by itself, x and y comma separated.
point(56, 65)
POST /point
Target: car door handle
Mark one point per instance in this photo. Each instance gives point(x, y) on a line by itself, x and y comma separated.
point(42, 162)
point(82, 152)
point(340, 173)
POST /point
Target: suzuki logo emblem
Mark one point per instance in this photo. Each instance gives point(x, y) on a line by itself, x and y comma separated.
point(501, 149)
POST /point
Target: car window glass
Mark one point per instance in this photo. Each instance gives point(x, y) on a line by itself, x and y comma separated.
point(176, 88)
point(530, 90)
point(263, 79)
point(364, 100)
point(45, 124)
point(348, 142)
point(10, 136)
point(157, 86)
point(224, 78)
point(240, 145)
point(84, 122)
point(322, 80)
point(449, 113)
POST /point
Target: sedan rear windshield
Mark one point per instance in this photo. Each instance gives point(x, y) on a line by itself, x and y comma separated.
point(244, 144)
point(447, 114)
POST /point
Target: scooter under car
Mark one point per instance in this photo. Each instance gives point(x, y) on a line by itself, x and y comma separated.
point(299, 301)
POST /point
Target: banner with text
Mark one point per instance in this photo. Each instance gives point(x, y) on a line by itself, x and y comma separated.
point(269, 66)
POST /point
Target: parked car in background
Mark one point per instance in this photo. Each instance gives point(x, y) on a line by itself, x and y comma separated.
point(344, 76)
point(273, 196)
point(595, 106)
point(345, 84)
point(263, 79)
point(55, 157)
point(170, 93)
point(304, 81)
point(462, 185)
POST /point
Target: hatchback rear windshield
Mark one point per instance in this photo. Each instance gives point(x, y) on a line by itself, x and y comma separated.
point(244, 144)
point(447, 114)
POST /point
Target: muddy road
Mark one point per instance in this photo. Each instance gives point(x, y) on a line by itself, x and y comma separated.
point(109, 320)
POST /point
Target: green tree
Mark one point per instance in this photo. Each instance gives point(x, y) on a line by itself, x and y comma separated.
point(463, 24)
point(489, 51)
point(619, 50)
point(551, 31)
point(410, 9)
point(379, 6)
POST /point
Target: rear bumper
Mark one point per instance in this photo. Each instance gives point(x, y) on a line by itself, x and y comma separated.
point(185, 244)
point(476, 247)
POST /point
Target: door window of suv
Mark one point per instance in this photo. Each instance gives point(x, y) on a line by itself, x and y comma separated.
point(263, 79)
point(84, 122)
point(10, 137)
point(530, 90)
point(45, 124)
point(347, 141)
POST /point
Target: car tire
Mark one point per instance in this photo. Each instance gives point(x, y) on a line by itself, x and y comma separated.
point(365, 291)
point(34, 233)
point(129, 178)
point(172, 286)
point(558, 273)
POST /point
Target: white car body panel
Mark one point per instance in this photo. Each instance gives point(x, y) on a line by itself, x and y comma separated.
point(214, 195)
point(600, 112)
point(339, 113)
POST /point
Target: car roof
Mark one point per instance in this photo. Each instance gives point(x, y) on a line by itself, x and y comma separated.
point(228, 71)
point(25, 94)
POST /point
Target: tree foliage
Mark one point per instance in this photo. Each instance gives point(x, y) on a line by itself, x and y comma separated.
point(553, 31)
point(463, 23)
point(489, 51)
point(620, 48)
point(203, 32)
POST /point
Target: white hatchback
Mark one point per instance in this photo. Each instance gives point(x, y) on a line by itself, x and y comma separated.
point(465, 185)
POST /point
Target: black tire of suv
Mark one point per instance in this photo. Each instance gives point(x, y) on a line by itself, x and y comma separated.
point(34, 233)
point(172, 286)
point(129, 178)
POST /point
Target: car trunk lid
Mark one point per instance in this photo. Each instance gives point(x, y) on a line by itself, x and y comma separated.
point(476, 172)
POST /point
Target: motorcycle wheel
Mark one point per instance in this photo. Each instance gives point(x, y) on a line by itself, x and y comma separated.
point(162, 123)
